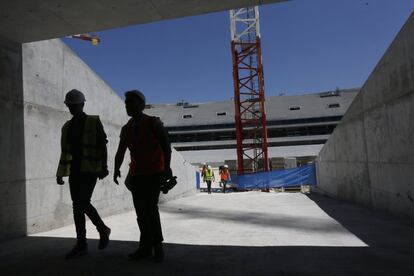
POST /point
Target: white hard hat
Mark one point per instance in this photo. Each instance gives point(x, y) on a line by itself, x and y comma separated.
point(209, 167)
point(226, 166)
point(136, 93)
point(74, 96)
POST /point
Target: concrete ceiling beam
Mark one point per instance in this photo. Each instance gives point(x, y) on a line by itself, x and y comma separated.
point(32, 20)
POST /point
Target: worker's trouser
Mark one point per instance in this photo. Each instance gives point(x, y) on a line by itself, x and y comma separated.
point(145, 194)
point(224, 182)
point(81, 189)
point(208, 186)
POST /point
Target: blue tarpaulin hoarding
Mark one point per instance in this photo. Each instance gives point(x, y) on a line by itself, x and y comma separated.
point(198, 180)
point(304, 175)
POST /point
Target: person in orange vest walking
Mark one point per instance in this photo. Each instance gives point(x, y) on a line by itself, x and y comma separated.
point(84, 159)
point(148, 144)
point(224, 176)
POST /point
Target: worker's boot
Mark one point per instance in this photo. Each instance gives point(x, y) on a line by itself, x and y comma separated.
point(104, 237)
point(159, 253)
point(81, 248)
point(142, 252)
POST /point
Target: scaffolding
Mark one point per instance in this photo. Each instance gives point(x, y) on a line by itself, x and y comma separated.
point(249, 99)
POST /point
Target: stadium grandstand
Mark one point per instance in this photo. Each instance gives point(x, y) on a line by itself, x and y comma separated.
point(298, 126)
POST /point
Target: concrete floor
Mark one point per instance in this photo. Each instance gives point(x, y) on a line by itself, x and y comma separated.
point(250, 233)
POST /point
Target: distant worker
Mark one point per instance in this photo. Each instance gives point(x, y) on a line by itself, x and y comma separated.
point(148, 143)
point(203, 171)
point(83, 159)
point(224, 176)
point(220, 169)
point(208, 177)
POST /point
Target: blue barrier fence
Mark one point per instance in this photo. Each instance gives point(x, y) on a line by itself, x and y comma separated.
point(198, 180)
point(299, 176)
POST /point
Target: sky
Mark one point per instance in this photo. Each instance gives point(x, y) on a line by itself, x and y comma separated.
point(308, 46)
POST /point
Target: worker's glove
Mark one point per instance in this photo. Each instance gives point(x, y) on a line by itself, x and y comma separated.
point(168, 184)
point(59, 180)
point(103, 173)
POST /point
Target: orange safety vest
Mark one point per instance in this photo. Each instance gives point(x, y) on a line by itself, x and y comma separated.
point(147, 156)
point(224, 174)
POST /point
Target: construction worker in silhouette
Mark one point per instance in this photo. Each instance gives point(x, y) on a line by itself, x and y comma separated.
point(224, 176)
point(220, 169)
point(84, 159)
point(208, 177)
point(148, 143)
point(203, 170)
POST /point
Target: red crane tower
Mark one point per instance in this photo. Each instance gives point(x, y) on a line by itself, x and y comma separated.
point(249, 99)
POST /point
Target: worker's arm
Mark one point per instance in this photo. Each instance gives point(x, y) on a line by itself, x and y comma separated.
point(102, 141)
point(119, 156)
point(162, 136)
point(59, 179)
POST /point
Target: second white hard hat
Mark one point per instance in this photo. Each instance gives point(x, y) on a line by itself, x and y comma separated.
point(74, 96)
point(136, 93)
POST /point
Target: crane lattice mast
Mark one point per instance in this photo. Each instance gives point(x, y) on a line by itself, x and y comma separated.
point(249, 99)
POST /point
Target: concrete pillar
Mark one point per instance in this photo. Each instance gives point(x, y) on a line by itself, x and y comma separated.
point(12, 146)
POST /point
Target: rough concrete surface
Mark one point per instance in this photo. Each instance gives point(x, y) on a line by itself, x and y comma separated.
point(369, 158)
point(34, 79)
point(12, 173)
point(248, 233)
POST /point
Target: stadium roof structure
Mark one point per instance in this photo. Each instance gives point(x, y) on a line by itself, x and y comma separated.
point(278, 108)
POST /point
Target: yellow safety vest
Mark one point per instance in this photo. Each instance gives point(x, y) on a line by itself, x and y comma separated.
point(209, 175)
point(91, 160)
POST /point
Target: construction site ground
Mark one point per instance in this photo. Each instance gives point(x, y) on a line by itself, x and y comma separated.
point(249, 233)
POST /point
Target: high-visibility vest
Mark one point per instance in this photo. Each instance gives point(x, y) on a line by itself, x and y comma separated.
point(147, 157)
point(91, 159)
point(209, 175)
point(224, 174)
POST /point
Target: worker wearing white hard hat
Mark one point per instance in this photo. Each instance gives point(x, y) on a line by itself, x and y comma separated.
point(224, 177)
point(209, 177)
point(83, 166)
point(147, 141)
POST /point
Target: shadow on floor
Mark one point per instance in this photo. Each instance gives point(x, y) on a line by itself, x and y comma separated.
point(390, 251)
point(376, 229)
point(44, 256)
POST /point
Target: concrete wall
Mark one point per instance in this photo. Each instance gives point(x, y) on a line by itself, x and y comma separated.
point(12, 164)
point(369, 159)
point(50, 69)
point(32, 113)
